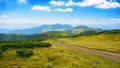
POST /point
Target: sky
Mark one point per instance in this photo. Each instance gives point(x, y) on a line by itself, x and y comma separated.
point(31, 13)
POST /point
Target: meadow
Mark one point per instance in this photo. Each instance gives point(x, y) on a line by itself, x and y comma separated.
point(106, 42)
point(56, 56)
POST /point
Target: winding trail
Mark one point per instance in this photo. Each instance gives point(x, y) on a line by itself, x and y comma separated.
point(110, 55)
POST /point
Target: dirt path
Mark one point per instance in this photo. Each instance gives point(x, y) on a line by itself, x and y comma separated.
point(110, 55)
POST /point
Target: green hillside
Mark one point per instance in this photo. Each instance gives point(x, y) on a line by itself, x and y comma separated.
point(52, 34)
point(13, 37)
point(106, 40)
point(115, 31)
point(83, 30)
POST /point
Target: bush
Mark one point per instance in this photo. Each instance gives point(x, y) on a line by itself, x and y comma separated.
point(42, 44)
point(4, 47)
point(24, 52)
point(51, 58)
point(23, 44)
point(0, 52)
point(49, 66)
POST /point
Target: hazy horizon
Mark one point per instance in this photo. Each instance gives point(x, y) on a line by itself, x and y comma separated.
point(104, 26)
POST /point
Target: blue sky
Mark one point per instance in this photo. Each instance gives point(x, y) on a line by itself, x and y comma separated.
point(30, 13)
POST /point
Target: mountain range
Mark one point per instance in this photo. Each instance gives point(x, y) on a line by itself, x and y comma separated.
point(53, 27)
point(4, 30)
point(47, 31)
point(40, 29)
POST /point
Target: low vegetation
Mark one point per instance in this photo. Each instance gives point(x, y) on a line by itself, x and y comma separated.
point(36, 53)
point(23, 47)
point(52, 34)
point(0, 52)
point(51, 58)
point(23, 44)
point(44, 35)
point(55, 56)
point(24, 52)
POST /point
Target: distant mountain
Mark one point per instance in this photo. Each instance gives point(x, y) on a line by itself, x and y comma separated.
point(83, 30)
point(4, 30)
point(43, 28)
point(57, 27)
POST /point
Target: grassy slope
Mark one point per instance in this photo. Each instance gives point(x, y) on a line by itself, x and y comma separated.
point(109, 42)
point(65, 58)
point(52, 34)
point(81, 29)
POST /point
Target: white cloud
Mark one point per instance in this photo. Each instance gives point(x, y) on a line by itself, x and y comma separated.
point(111, 20)
point(107, 5)
point(84, 3)
point(70, 3)
point(22, 1)
point(41, 8)
point(115, 19)
point(103, 4)
point(63, 10)
point(57, 3)
point(91, 2)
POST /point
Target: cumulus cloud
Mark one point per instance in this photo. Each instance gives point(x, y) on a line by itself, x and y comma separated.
point(57, 3)
point(102, 4)
point(90, 2)
point(107, 5)
point(41, 8)
point(63, 10)
point(70, 3)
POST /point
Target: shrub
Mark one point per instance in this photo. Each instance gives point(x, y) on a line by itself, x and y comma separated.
point(0, 52)
point(24, 52)
point(51, 58)
point(42, 44)
point(23, 44)
point(47, 45)
point(4, 47)
point(49, 66)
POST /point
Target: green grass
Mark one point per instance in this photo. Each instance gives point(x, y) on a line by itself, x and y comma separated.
point(56, 56)
point(109, 42)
